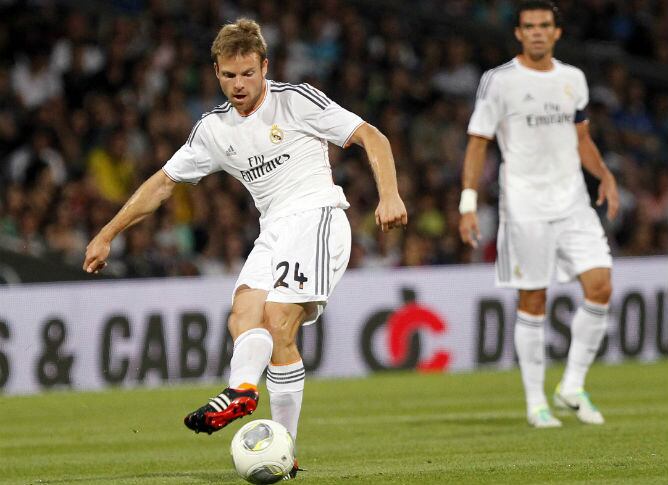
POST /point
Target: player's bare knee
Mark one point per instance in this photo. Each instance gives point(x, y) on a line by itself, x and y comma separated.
point(278, 325)
point(235, 323)
point(599, 291)
point(283, 322)
point(532, 301)
point(533, 308)
point(247, 310)
point(279, 328)
point(241, 320)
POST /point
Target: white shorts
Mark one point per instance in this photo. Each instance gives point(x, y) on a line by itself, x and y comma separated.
point(300, 258)
point(527, 252)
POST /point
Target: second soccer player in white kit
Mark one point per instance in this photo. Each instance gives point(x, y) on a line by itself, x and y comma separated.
point(534, 106)
point(273, 138)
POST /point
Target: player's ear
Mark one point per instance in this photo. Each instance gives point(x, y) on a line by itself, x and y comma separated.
point(215, 68)
point(265, 67)
point(557, 33)
point(518, 34)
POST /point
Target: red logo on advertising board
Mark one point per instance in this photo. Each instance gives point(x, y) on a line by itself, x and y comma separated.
point(403, 337)
point(404, 322)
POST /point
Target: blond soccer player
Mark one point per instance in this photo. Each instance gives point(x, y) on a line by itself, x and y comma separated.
point(273, 138)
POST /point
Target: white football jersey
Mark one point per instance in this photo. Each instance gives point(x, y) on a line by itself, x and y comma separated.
point(279, 152)
point(533, 115)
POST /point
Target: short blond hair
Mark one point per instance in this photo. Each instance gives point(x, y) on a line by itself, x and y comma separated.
point(243, 37)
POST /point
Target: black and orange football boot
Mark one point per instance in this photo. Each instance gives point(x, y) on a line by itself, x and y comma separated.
point(221, 410)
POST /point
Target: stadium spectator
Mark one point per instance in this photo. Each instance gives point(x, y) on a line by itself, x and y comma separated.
point(34, 81)
point(111, 170)
point(459, 77)
point(28, 161)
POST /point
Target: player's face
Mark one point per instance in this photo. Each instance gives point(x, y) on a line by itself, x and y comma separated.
point(242, 80)
point(538, 33)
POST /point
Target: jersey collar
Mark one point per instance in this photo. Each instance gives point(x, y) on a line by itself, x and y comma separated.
point(556, 67)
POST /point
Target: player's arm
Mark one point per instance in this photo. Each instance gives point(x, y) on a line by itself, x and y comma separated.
point(474, 162)
point(391, 211)
point(146, 199)
point(592, 161)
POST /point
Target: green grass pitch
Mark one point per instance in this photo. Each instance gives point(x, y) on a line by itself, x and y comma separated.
point(395, 428)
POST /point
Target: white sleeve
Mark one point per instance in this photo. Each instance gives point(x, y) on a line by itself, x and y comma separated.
point(192, 161)
point(582, 92)
point(488, 110)
point(322, 117)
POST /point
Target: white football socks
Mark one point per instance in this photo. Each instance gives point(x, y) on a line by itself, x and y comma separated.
point(530, 348)
point(252, 352)
point(587, 332)
point(285, 384)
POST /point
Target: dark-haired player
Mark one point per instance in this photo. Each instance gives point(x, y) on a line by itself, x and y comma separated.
point(534, 106)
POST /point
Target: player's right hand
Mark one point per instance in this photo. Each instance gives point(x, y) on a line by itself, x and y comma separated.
point(97, 252)
point(468, 229)
point(607, 190)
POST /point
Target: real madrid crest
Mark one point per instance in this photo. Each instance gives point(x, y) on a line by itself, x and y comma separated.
point(276, 134)
point(568, 89)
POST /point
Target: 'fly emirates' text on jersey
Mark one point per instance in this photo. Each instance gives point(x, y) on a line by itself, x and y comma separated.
point(532, 113)
point(278, 152)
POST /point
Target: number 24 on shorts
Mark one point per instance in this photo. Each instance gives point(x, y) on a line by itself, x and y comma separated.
point(298, 277)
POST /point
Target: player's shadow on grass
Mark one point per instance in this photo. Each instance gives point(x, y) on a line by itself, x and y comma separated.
point(217, 478)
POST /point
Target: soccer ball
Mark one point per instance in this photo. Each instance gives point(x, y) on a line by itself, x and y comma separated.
point(263, 451)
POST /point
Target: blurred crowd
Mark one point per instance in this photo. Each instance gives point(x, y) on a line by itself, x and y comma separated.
point(95, 98)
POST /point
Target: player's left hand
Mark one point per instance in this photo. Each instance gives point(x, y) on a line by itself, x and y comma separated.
point(97, 252)
point(607, 190)
point(391, 213)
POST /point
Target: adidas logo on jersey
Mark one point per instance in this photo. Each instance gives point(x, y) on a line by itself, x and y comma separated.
point(230, 151)
point(528, 97)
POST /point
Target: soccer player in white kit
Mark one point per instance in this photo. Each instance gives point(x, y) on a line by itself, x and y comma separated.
point(534, 105)
point(272, 137)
